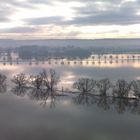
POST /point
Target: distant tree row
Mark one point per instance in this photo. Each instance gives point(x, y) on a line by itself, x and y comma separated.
point(40, 52)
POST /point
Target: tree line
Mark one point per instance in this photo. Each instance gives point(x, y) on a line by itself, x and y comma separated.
point(44, 86)
point(48, 80)
point(42, 52)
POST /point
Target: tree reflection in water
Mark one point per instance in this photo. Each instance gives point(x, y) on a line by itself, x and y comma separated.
point(3, 85)
point(103, 102)
point(123, 96)
point(19, 91)
point(44, 97)
point(135, 107)
point(121, 105)
point(43, 87)
point(85, 99)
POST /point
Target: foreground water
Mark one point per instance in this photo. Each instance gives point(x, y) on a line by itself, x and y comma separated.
point(22, 118)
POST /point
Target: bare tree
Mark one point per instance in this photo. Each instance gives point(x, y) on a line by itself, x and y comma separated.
point(103, 86)
point(36, 81)
point(135, 86)
point(36, 87)
point(50, 81)
point(43, 86)
point(21, 86)
point(121, 89)
point(84, 85)
point(20, 80)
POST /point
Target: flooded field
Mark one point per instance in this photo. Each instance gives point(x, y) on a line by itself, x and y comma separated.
point(65, 118)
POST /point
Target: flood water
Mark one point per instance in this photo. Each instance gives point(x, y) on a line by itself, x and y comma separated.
point(25, 119)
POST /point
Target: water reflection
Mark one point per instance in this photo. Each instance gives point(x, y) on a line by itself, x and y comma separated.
point(84, 117)
point(84, 99)
point(47, 99)
point(121, 105)
point(43, 88)
point(103, 102)
point(3, 88)
point(3, 84)
point(44, 97)
point(19, 91)
point(51, 102)
point(83, 62)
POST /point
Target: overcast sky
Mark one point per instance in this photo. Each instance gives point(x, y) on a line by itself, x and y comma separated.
point(83, 19)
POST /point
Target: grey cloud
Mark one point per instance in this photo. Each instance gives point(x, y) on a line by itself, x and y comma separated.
point(17, 4)
point(20, 30)
point(40, 1)
point(110, 12)
point(91, 14)
point(9, 7)
point(107, 18)
point(45, 20)
point(113, 14)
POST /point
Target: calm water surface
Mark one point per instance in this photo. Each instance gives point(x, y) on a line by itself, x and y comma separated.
point(24, 119)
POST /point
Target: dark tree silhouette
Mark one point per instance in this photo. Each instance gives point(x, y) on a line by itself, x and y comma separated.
point(36, 87)
point(103, 86)
point(36, 81)
point(43, 87)
point(135, 86)
point(121, 89)
point(20, 80)
point(50, 81)
point(85, 85)
point(21, 84)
